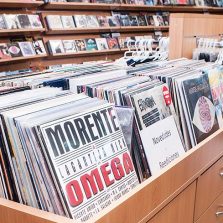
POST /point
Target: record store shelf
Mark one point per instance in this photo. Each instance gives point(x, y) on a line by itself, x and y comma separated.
point(85, 53)
point(155, 194)
point(81, 6)
point(107, 29)
point(20, 4)
point(11, 60)
point(13, 32)
point(129, 7)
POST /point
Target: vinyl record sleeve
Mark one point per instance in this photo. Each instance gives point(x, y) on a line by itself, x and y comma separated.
point(27, 49)
point(97, 155)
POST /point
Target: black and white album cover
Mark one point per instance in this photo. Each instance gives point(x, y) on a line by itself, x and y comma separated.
point(11, 21)
point(23, 21)
point(39, 47)
point(69, 46)
point(2, 22)
point(35, 21)
point(68, 22)
point(56, 46)
point(27, 49)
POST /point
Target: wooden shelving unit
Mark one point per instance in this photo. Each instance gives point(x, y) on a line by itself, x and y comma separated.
point(17, 59)
point(80, 6)
point(10, 32)
point(128, 7)
point(85, 53)
point(107, 29)
point(20, 4)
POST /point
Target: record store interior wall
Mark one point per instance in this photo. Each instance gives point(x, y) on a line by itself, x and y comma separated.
point(50, 32)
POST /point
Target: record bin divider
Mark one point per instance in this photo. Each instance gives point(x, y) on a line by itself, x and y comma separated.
point(146, 200)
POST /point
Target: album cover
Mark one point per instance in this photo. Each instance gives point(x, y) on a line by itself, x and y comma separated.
point(102, 43)
point(80, 21)
point(27, 49)
point(131, 2)
point(215, 81)
point(103, 21)
point(160, 20)
point(11, 21)
point(166, 19)
point(181, 2)
point(56, 46)
point(156, 21)
point(113, 21)
point(142, 20)
point(35, 21)
point(112, 43)
point(68, 22)
point(201, 107)
point(80, 45)
point(23, 21)
point(140, 2)
point(91, 44)
point(39, 47)
point(14, 50)
point(54, 22)
point(122, 41)
point(92, 21)
point(87, 1)
point(69, 46)
point(124, 20)
point(150, 20)
point(133, 20)
point(149, 2)
point(100, 154)
point(4, 51)
point(2, 22)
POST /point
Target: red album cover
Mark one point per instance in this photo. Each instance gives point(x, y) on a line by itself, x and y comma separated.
point(112, 43)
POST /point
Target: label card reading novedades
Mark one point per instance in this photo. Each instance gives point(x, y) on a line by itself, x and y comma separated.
point(162, 144)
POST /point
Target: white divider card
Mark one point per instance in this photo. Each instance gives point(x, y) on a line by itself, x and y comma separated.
point(162, 144)
point(90, 160)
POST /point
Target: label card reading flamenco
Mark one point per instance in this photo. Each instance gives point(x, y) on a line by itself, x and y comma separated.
point(90, 160)
point(162, 144)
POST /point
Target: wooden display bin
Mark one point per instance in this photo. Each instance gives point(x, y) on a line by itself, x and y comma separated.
point(166, 198)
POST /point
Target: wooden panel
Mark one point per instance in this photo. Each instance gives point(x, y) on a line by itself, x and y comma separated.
point(181, 209)
point(156, 192)
point(176, 37)
point(11, 212)
point(184, 28)
point(210, 215)
point(210, 185)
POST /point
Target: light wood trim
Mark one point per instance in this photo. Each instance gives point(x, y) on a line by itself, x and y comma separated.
point(22, 4)
point(21, 58)
point(80, 6)
point(12, 212)
point(84, 53)
point(107, 29)
point(13, 32)
point(128, 7)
